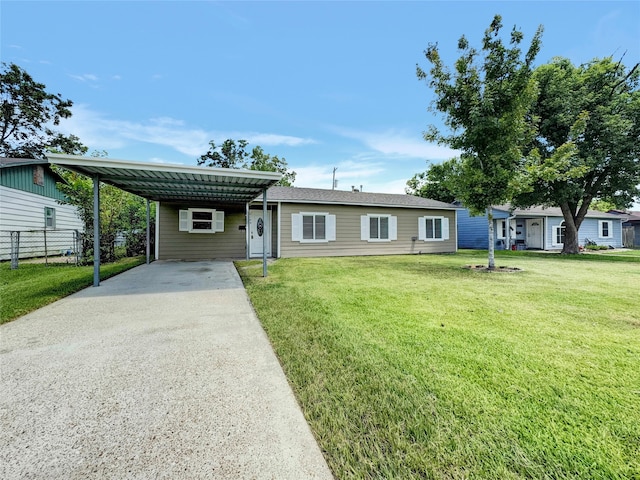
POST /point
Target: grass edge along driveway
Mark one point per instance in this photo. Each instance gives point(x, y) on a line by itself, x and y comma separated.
point(34, 285)
point(413, 367)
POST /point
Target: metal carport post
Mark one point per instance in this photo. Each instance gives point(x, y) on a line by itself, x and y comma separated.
point(96, 230)
point(167, 183)
point(148, 247)
point(264, 235)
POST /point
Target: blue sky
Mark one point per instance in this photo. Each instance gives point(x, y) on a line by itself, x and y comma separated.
point(323, 84)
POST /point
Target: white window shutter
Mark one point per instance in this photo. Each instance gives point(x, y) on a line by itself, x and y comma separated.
point(445, 228)
point(601, 224)
point(331, 228)
point(296, 227)
point(393, 228)
point(422, 228)
point(219, 219)
point(184, 221)
point(364, 227)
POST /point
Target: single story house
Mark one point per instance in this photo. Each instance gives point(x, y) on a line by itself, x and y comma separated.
point(205, 213)
point(307, 222)
point(536, 228)
point(29, 204)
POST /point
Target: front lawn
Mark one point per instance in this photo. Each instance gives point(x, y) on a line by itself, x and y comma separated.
point(413, 367)
point(34, 285)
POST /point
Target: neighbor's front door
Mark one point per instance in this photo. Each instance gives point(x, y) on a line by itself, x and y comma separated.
point(534, 233)
point(259, 233)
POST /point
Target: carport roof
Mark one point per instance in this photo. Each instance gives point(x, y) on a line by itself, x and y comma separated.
point(170, 182)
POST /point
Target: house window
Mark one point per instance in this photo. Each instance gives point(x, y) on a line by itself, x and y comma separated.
point(378, 228)
point(310, 227)
point(49, 217)
point(558, 234)
point(314, 227)
point(605, 229)
point(201, 220)
point(433, 228)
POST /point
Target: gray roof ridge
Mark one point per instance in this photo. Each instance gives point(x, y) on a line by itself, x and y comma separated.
point(319, 195)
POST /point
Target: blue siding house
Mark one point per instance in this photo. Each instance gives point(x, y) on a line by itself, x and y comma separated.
point(535, 228)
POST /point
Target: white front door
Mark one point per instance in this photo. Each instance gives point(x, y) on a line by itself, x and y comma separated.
point(259, 233)
point(534, 233)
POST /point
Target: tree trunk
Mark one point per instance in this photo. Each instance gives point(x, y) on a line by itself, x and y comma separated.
point(572, 226)
point(492, 260)
point(570, 238)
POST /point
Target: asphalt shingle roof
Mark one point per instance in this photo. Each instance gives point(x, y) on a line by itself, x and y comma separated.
point(550, 212)
point(342, 197)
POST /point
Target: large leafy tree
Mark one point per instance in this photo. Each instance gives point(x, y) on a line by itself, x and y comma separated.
point(232, 154)
point(27, 114)
point(484, 100)
point(588, 142)
point(267, 163)
point(435, 183)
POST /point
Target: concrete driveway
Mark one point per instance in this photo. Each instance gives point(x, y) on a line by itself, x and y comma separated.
point(161, 372)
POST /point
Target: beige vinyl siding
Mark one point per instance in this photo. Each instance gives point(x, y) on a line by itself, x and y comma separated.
point(176, 245)
point(348, 241)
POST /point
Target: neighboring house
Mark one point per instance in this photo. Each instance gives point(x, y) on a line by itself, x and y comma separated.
point(630, 227)
point(29, 205)
point(307, 222)
point(535, 228)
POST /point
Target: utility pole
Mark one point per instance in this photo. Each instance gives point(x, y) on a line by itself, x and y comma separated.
point(333, 183)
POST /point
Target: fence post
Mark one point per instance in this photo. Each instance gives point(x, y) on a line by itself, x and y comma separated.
point(46, 252)
point(15, 249)
point(76, 245)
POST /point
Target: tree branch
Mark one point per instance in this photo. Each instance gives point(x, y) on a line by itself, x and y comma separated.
point(626, 77)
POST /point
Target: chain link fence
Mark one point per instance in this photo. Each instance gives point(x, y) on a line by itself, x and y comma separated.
point(44, 245)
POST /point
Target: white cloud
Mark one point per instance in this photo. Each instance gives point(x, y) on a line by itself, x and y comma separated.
point(398, 143)
point(99, 132)
point(368, 177)
point(270, 139)
point(348, 173)
point(85, 77)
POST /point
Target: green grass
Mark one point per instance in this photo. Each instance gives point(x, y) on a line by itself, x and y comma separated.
point(34, 285)
point(414, 367)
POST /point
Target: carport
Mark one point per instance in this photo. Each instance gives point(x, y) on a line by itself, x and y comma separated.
point(168, 183)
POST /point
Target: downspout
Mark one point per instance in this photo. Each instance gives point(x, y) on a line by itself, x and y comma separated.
point(96, 230)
